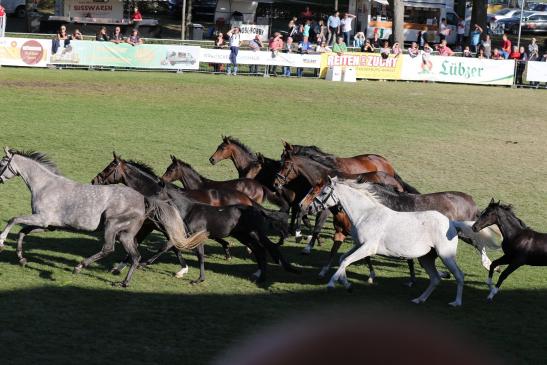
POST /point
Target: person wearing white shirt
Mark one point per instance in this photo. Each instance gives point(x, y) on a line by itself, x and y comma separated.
point(234, 40)
point(345, 24)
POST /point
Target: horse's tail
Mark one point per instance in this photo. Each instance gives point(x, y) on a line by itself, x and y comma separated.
point(169, 218)
point(489, 237)
point(275, 222)
point(407, 187)
point(275, 199)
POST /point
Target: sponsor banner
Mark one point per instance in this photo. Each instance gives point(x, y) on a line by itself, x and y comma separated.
point(459, 70)
point(210, 55)
point(107, 54)
point(111, 9)
point(535, 71)
point(249, 31)
point(367, 65)
point(24, 52)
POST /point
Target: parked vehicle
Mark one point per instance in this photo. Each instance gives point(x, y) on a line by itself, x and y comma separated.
point(535, 23)
point(540, 7)
point(15, 7)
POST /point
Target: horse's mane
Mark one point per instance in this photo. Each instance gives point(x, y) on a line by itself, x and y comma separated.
point(237, 142)
point(509, 209)
point(316, 154)
point(143, 167)
point(39, 157)
point(366, 189)
point(187, 165)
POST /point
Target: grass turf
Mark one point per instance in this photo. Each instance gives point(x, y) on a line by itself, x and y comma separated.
point(439, 137)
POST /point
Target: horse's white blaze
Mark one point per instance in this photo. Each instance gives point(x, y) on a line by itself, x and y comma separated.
point(182, 272)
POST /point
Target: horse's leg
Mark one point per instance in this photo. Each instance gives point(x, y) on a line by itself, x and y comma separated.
point(319, 223)
point(25, 231)
point(294, 221)
point(145, 230)
point(200, 253)
point(333, 251)
point(428, 263)
point(505, 273)
point(226, 247)
point(110, 233)
point(450, 262)
point(184, 270)
point(259, 253)
point(130, 246)
point(275, 253)
point(276, 199)
point(360, 253)
point(412, 273)
point(504, 260)
point(27, 220)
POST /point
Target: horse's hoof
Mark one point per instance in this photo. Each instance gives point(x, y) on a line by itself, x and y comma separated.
point(120, 284)
point(305, 251)
point(179, 274)
point(298, 239)
point(227, 258)
point(330, 287)
point(323, 273)
point(142, 266)
point(444, 274)
point(115, 271)
point(409, 284)
point(349, 288)
point(370, 280)
point(417, 301)
point(23, 262)
point(2, 248)
point(197, 281)
point(77, 269)
point(455, 304)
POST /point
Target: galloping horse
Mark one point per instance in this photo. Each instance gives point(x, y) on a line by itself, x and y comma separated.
point(521, 245)
point(191, 179)
point(60, 203)
point(248, 224)
point(264, 170)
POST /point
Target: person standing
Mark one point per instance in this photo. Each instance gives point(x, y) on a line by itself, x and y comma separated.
point(461, 32)
point(533, 50)
point(345, 24)
point(333, 23)
point(521, 64)
point(234, 41)
point(288, 47)
point(304, 47)
point(275, 45)
point(475, 37)
point(445, 31)
point(487, 45)
point(255, 45)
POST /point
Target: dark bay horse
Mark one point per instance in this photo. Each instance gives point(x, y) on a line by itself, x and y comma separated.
point(191, 179)
point(250, 225)
point(521, 245)
point(60, 203)
point(347, 165)
point(263, 169)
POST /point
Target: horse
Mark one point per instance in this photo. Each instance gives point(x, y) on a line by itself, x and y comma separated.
point(263, 169)
point(379, 230)
point(317, 173)
point(521, 245)
point(250, 225)
point(348, 165)
point(61, 203)
point(455, 205)
point(191, 179)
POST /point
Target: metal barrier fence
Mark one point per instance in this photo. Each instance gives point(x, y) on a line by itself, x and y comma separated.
point(2, 25)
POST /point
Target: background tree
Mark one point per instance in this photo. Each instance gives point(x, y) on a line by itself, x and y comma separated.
point(478, 14)
point(397, 28)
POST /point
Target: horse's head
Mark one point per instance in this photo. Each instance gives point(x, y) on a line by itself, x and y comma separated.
point(488, 217)
point(223, 152)
point(326, 197)
point(306, 203)
point(113, 173)
point(287, 149)
point(288, 171)
point(7, 166)
point(173, 171)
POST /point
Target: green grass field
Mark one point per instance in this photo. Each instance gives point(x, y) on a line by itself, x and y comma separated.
point(486, 141)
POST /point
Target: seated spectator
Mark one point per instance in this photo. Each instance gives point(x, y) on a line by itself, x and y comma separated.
point(61, 40)
point(496, 55)
point(117, 37)
point(385, 50)
point(396, 49)
point(467, 52)
point(515, 54)
point(339, 47)
point(506, 48)
point(533, 50)
point(427, 65)
point(481, 54)
point(422, 38)
point(375, 40)
point(102, 36)
point(413, 51)
point(304, 47)
point(367, 47)
point(77, 35)
point(255, 45)
point(322, 47)
point(443, 49)
point(359, 40)
point(134, 39)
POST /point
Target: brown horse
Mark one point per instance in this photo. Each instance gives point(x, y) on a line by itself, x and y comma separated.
point(191, 179)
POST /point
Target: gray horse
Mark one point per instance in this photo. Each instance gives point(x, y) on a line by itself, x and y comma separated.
point(60, 203)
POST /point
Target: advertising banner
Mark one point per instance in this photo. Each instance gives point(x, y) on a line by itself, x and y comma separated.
point(209, 55)
point(458, 70)
point(535, 71)
point(24, 52)
point(110, 9)
point(249, 31)
point(367, 65)
point(107, 54)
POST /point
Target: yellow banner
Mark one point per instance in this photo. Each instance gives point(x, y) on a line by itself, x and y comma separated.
point(367, 65)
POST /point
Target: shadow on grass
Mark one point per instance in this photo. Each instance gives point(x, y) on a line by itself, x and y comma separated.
point(73, 324)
